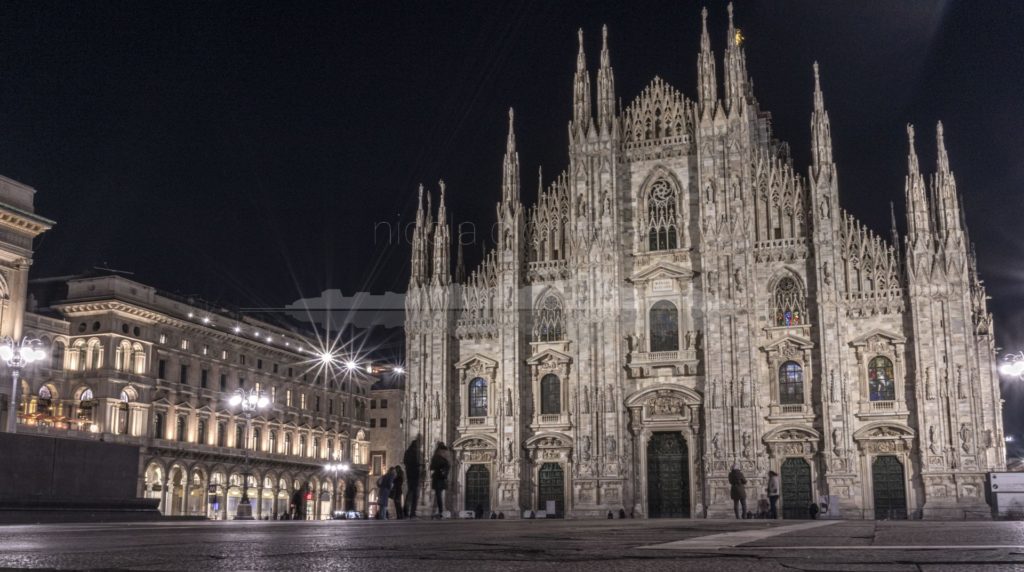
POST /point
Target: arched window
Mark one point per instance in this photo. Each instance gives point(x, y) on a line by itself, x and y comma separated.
point(664, 327)
point(881, 386)
point(788, 303)
point(549, 320)
point(239, 435)
point(138, 364)
point(791, 383)
point(662, 217)
point(123, 356)
point(478, 398)
point(57, 357)
point(182, 428)
point(256, 434)
point(201, 432)
point(316, 447)
point(86, 395)
point(302, 445)
point(550, 395)
point(158, 426)
point(222, 434)
point(94, 354)
point(44, 393)
point(272, 442)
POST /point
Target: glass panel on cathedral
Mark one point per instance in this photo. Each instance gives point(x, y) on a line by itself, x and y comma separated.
point(791, 383)
point(550, 395)
point(788, 303)
point(549, 320)
point(661, 217)
point(478, 398)
point(664, 327)
point(881, 386)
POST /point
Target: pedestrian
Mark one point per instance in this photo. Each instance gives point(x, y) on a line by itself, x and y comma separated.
point(439, 466)
point(384, 485)
point(297, 502)
point(396, 490)
point(413, 470)
point(737, 491)
point(773, 494)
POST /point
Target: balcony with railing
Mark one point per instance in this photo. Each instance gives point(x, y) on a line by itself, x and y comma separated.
point(682, 362)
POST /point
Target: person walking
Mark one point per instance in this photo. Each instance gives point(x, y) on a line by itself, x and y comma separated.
point(773, 494)
point(737, 491)
point(396, 490)
point(439, 466)
point(384, 485)
point(297, 505)
point(413, 470)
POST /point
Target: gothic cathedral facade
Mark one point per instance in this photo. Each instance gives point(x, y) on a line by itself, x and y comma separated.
point(682, 300)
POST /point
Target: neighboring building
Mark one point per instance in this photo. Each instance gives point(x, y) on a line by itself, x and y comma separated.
point(681, 299)
point(19, 225)
point(387, 402)
point(133, 365)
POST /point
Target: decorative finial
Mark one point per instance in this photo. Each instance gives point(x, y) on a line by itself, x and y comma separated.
point(729, 9)
point(816, 82)
point(580, 34)
point(440, 183)
point(704, 15)
point(943, 157)
point(910, 134)
point(604, 36)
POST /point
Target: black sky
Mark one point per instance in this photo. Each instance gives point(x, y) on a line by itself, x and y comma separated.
point(243, 151)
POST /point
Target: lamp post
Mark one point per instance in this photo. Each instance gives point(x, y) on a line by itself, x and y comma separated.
point(18, 355)
point(251, 401)
point(335, 468)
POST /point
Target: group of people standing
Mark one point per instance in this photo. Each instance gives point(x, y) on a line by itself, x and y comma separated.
point(738, 493)
point(389, 486)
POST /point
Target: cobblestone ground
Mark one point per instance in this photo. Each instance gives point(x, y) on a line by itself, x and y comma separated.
point(860, 546)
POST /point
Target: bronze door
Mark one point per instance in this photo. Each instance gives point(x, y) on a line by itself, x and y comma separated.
point(888, 480)
point(551, 480)
point(668, 476)
point(478, 489)
point(796, 488)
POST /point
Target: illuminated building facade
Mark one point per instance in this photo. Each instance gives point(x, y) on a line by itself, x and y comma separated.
point(682, 299)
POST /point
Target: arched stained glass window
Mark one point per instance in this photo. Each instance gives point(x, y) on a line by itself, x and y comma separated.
point(549, 320)
point(550, 395)
point(662, 216)
point(791, 383)
point(478, 398)
point(788, 303)
point(881, 386)
point(664, 318)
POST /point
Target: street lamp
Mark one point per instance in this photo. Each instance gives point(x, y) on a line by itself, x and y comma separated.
point(251, 401)
point(335, 468)
point(18, 355)
point(1013, 365)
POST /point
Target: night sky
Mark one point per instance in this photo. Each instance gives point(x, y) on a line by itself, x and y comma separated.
point(244, 151)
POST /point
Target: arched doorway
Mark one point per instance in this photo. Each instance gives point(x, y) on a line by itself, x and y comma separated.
point(551, 487)
point(668, 476)
point(796, 488)
point(478, 489)
point(888, 481)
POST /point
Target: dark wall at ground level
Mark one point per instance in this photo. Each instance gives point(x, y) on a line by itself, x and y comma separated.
point(35, 467)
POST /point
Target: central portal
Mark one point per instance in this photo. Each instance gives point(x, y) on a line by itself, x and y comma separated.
point(796, 488)
point(478, 490)
point(668, 476)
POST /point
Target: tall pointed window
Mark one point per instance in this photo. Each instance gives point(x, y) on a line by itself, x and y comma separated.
point(788, 303)
point(791, 383)
point(664, 327)
point(549, 320)
point(478, 398)
point(550, 395)
point(881, 386)
point(662, 217)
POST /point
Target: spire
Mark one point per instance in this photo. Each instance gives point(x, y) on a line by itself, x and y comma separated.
point(510, 175)
point(919, 217)
point(947, 208)
point(442, 243)
point(821, 132)
point(707, 81)
point(605, 87)
point(735, 66)
point(581, 93)
point(460, 264)
point(419, 243)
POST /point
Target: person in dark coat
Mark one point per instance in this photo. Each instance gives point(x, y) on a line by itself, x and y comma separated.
point(413, 469)
point(439, 467)
point(773, 494)
point(396, 490)
point(384, 485)
point(298, 504)
point(737, 491)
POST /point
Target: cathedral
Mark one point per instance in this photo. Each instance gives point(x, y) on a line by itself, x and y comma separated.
point(681, 300)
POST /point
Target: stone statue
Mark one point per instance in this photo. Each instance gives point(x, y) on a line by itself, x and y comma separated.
point(933, 443)
point(609, 446)
point(714, 394)
point(837, 442)
point(716, 446)
point(738, 279)
point(965, 438)
point(929, 388)
point(689, 339)
point(585, 405)
point(826, 273)
point(508, 403)
point(746, 444)
point(509, 451)
point(585, 448)
point(437, 407)
point(610, 396)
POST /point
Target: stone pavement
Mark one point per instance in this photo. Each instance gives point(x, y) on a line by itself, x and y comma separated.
point(656, 545)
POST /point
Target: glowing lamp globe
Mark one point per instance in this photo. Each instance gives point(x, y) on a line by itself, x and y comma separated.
point(6, 353)
point(262, 402)
point(235, 399)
